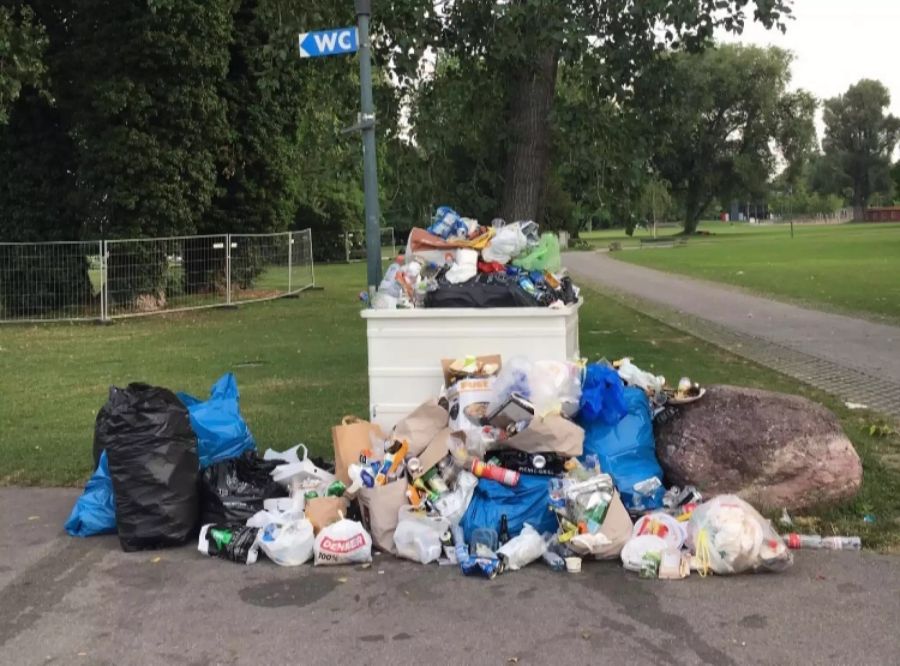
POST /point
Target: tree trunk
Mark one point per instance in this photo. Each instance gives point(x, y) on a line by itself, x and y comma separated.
point(528, 154)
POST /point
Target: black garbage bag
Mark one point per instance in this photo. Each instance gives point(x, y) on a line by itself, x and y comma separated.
point(152, 453)
point(495, 290)
point(233, 490)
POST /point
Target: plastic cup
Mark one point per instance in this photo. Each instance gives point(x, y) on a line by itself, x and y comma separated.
point(573, 564)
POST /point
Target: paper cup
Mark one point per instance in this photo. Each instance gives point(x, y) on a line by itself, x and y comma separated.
point(573, 564)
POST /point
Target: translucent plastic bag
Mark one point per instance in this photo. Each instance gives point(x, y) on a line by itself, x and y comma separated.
point(523, 549)
point(555, 387)
point(728, 536)
point(418, 536)
point(288, 544)
point(545, 257)
point(512, 378)
point(509, 243)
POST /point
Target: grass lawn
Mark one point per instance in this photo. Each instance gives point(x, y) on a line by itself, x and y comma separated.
point(301, 366)
point(852, 268)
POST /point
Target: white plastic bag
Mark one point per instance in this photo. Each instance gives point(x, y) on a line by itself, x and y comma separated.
point(298, 473)
point(555, 387)
point(343, 542)
point(465, 268)
point(512, 378)
point(524, 549)
point(728, 536)
point(634, 376)
point(418, 536)
point(506, 245)
point(288, 544)
point(453, 505)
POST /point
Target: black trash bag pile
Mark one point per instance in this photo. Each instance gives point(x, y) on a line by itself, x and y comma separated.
point(152, 453)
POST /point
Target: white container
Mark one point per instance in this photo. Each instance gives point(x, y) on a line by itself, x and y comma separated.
point(406, 348)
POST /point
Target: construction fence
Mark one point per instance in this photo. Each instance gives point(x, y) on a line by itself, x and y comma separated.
point(105, 280)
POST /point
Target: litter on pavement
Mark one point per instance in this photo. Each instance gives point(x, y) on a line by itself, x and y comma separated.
point(514, 462)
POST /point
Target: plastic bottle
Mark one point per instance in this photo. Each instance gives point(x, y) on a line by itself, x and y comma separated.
point(389, 284)
point(817, 542)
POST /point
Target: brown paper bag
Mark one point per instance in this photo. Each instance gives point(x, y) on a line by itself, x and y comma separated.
point(323, 511)
point(617, 528)
point(379, 507)
point(350, 439)
point(435, 452)
point(421, 426)
point(550, 434)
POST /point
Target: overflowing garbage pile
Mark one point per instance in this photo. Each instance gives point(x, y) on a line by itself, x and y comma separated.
point(513, 463)
point(457, 263)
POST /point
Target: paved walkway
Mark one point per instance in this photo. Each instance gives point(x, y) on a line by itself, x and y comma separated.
point(84, 601)
point(854, 359)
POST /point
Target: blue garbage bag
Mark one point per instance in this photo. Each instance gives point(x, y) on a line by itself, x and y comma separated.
point(221, 431)
point(95, 511)
point(627, 451)
point(602, 395)
point(526, 502)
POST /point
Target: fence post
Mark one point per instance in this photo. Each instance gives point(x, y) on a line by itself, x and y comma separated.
point(312, 261)
point(290, 244)
point(228, 269)
point(104, 284)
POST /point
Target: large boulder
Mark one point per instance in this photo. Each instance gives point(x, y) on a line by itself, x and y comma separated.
point(774, 450)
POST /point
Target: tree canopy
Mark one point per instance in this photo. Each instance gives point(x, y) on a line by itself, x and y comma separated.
point(860, 138)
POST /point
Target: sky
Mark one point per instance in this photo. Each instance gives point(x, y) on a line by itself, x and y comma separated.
point(836, 43)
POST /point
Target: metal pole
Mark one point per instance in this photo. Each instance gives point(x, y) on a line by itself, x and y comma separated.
point(104, 287)
point(791, 206)
point(228, 269)
point(290, 239)
point(370, 165)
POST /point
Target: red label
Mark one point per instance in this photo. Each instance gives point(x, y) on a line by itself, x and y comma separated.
point(344, 545)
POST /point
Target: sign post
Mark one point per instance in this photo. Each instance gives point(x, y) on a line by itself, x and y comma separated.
point(370, 164)
point(339, 42)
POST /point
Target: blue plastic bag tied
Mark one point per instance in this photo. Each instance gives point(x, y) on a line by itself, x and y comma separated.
point(602, 395)
point(526, 502)
point(221, 431)
point(627, 452)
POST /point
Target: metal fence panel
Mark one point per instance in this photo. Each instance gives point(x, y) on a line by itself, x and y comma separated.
point(144, 276)
point(151, 275)
point(50, 281)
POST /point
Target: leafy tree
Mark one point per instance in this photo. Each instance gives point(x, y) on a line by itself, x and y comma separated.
point(717, 118)
point(23, 41)
point(859, 141)
point(521, 43)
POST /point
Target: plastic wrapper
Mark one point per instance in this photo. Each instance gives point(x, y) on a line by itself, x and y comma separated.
point(418, 536)
point(524, 549)
point(728, 536)
point(453, 505)
point(465, 268)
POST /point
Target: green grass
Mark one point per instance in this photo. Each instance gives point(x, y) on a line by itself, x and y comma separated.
point(852, 268)
point(301, 366)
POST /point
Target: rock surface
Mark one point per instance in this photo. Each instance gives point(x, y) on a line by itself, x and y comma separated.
point(772, 449)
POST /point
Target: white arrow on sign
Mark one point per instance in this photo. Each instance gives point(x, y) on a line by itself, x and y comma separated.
point(328, 42)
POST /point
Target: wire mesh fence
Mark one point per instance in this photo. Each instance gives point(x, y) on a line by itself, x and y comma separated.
point(126, 278)
point(50, 281)
point(355, 245)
